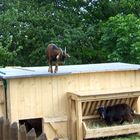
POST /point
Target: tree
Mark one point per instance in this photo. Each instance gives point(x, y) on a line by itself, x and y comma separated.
point(27, 27)
point(121, 38)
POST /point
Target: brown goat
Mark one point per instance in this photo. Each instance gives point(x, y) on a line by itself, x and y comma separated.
point(55, 56)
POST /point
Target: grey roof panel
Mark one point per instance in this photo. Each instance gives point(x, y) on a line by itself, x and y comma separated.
point(17, 72)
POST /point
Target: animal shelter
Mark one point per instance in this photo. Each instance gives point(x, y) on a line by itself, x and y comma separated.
point(64, 104)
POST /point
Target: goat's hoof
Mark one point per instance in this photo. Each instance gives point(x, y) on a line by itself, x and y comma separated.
point(55, 71)
point(49, 70)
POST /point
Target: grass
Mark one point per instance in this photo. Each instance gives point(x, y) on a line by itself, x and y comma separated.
point(132, 137)
point(124, 137)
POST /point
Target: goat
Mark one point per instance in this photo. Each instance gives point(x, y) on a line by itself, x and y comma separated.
point(55, 56)
point(116, 114)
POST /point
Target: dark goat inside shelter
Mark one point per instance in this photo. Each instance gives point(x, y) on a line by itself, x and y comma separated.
point(116, 114)
point(55, 56)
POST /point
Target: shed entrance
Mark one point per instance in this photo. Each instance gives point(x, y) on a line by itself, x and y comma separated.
point(36, 123)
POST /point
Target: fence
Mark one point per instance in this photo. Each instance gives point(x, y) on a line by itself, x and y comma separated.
point(13, 132)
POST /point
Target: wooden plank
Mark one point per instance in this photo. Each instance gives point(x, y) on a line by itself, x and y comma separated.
point(69, 117)
point(79, 120)
point(31, 135)
point(87, 108)
point(56, 119)
point(72, 120)
point(92, 108)
point(134, 104)
point(55, 129)
point(47, 96)
point(96, 93)
point(7, 108)
point(110, 131)
point(55, 95)
point(1, 127)
point(6, 130)
point(90, 117)
point(97, 105)
point(127, 100)
point(131, 101)
point(12, 96)
point(22, 132)
point(64, 82)
point(37, 100)
point(106, 96)
point(42, 137)
point(84, 108)
point(58, 129)
point(107, 102)
point(83, 81)
point(102, 103)
point(14, 131)
point(2, 102)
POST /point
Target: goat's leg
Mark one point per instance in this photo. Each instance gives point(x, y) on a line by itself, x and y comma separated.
point(50, 67)
point(122, 121)
point(56, 67)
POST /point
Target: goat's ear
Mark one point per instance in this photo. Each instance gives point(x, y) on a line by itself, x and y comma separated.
point(58, 56)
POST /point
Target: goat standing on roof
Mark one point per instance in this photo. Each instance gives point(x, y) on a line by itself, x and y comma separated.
point(55, 56)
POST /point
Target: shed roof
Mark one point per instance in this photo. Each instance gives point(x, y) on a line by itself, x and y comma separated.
point(19, 72)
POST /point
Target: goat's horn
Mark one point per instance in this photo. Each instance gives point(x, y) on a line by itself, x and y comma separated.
point(61, 50)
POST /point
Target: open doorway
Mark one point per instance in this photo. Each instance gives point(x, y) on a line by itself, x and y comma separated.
point(36, 123)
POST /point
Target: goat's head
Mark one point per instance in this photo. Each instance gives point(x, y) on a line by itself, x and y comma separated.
point(62, 55)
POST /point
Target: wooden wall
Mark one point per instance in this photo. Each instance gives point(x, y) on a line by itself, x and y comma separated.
point(2, 100)
point(46, 96)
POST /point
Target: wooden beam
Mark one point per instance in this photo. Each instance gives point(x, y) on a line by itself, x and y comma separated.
point(110, 131)
point(55, 119)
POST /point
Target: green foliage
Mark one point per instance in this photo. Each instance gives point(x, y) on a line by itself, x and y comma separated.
point(7, 56)
point(121, 38)
point(93, 31)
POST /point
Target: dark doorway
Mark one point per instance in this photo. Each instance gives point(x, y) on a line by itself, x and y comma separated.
point(35, 123)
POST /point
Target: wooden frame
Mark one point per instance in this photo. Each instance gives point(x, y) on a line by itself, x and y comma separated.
point(110, 131)
point(83, 105)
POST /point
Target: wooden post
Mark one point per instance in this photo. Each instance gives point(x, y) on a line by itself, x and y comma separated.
point(31, 135)
point(42, 137)
point(79, 120)
point(1, 128)
point(6, 130)
point(22, 132)
point(14, 131)
point(73, 120)
point(69, 125)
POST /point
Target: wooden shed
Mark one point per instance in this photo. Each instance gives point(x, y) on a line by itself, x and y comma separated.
point(31, 94)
